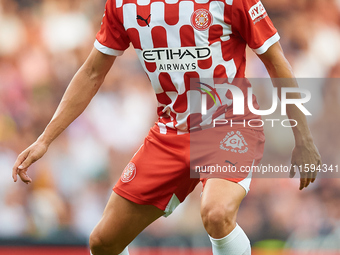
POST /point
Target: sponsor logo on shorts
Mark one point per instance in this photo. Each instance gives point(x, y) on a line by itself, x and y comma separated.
point(257, 12)
point(227, 161)
point(201, 19)
point(234, 142)
point(129, 172)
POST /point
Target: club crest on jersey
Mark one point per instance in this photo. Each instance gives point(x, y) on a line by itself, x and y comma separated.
point(234, 142)
point(129, 172)
point(201, 19)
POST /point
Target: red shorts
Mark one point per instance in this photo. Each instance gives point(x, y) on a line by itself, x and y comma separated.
point(167, 167)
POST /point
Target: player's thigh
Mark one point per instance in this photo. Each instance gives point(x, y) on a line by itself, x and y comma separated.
point(123, 220)
point(222, 197)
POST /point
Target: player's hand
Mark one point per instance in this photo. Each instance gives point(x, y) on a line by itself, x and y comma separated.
point(27, 158)
point(307, 160)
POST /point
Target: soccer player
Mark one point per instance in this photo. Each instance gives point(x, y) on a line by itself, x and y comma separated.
point(178, 43)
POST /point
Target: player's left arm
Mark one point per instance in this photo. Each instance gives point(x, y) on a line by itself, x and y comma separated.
point(305, 151)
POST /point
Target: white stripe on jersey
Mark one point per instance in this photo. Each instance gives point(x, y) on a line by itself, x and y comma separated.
point(143, 2)
point(202, 1)
point(106, 50)
point(275, 38)
point(229, 2)
point(119, 3)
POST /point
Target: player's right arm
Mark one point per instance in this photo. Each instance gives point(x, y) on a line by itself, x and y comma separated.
point(78, 95)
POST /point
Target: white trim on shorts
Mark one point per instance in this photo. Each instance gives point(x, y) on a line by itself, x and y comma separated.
point(245, 183)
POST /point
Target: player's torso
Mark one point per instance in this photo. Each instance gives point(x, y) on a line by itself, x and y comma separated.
point(179, 36)
point(180, 40)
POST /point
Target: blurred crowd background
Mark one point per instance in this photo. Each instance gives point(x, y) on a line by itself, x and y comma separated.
point(44, 42)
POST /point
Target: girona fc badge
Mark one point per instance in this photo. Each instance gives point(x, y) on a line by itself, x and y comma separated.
point(234, 142)
point(201, 19)
point(129, 172)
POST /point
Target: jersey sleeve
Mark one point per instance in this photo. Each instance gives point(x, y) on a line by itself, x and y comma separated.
point(112, 38)
point(250, 20)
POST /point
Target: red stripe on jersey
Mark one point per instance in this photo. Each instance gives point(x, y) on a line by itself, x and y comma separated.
point(187, 35)
point(194, 120)
point(134, 37)
point(150, 66)
point(210, 102)
point(229, 95)
point(205, 64)
point(228, 50)
point(166, 82)
point(159, 37)
point(188, 76)
point(235, 47)
point(215, 33)
point(167, 85)
point(221, 73)
point(171, 15)
point(228, 11)
point(181, 104)
point(160, 110)
point(163, 98)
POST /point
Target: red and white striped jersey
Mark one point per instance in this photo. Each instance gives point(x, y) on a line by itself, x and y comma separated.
point(178, 41)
